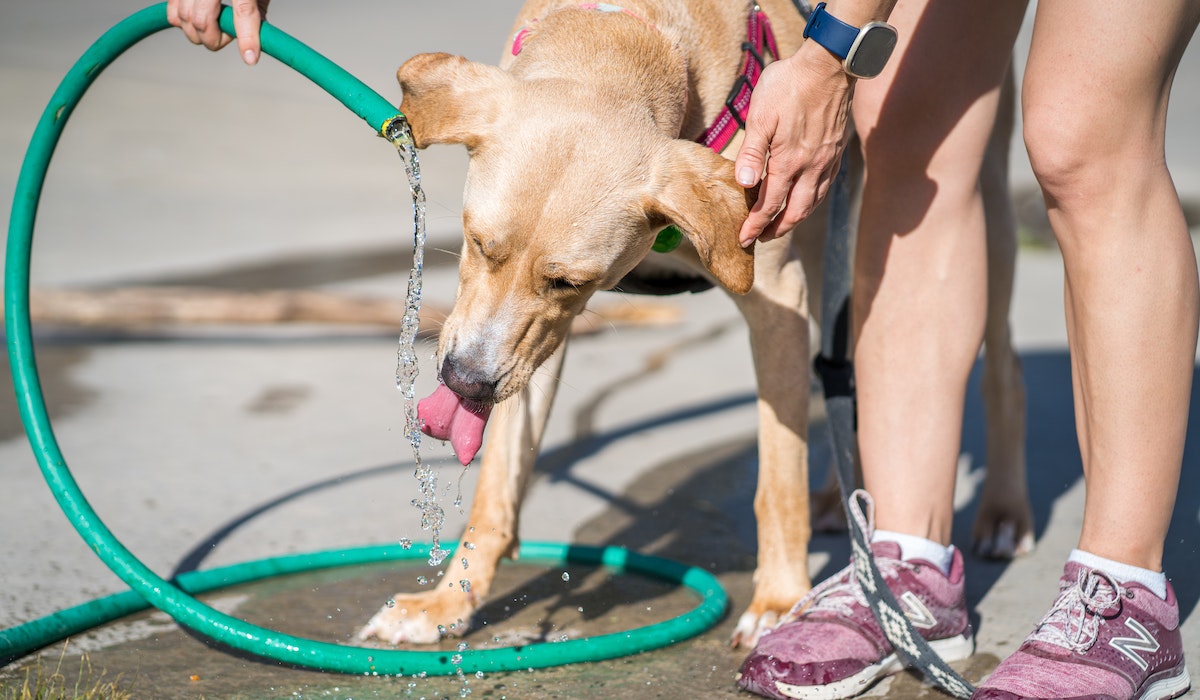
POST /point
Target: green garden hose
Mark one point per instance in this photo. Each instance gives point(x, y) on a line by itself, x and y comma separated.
point(174, 598)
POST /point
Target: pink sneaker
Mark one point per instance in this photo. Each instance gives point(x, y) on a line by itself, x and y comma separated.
point(830, 646)
point(1100, 640)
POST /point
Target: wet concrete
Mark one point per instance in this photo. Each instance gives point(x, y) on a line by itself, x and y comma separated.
point(694, 508)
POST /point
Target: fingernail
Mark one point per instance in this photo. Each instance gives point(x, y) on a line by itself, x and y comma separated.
point(747, 243)
point(745, 176)
point(250, 57)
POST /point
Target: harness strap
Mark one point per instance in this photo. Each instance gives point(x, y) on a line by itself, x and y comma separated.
point(760, 40)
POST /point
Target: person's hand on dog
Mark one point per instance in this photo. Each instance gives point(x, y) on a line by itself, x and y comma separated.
point(795, 132)
point(199, 21)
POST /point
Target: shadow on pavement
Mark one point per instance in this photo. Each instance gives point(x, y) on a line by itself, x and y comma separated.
point(698, 508)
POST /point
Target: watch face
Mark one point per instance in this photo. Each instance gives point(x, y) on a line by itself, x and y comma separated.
point(871, 50)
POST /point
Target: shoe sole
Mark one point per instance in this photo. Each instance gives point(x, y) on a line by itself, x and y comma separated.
point(1174, 685)
point(950, 649)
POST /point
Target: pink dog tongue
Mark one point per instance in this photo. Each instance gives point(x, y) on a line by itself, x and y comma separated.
point(447, 416)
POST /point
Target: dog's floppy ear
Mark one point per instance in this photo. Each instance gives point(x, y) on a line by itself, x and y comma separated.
point(448, 99)
point(696, 191)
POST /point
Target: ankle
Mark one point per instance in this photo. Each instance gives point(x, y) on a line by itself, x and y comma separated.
point(914, 548)
point(1156, 581)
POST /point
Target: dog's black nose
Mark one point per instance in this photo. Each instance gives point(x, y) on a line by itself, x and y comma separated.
point(466, 383)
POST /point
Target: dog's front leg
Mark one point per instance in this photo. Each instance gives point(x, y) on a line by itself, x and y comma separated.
point(1004, 522)
point(776, 312)
point(518, 425)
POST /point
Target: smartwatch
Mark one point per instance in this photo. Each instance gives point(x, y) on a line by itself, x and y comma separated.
point(864, 50)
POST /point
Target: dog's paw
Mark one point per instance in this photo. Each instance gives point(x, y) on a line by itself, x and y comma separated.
point(750, 627)
point(1003, 531)
point(419, 619)
point(1004, 542)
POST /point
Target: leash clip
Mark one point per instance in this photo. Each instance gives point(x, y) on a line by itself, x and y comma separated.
point(837, 375)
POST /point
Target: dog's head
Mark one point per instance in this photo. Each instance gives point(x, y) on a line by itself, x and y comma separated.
point(565, 194)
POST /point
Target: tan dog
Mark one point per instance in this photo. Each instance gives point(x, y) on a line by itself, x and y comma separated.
point(582, 149)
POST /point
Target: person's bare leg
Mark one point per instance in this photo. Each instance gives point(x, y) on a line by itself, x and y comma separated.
point(919, 300)
point(1095, 118)
point(1095, 104)
point(920, 286)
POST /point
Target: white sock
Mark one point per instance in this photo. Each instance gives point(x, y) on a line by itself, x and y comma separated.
point(1156, 581)
point(913, 547)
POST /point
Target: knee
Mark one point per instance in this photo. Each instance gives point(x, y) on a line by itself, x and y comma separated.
point(1057, 151)
point(1076, 155)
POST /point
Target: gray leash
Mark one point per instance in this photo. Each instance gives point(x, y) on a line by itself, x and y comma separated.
point(834, 367)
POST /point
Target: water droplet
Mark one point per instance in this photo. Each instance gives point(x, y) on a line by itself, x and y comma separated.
point(462, 646)
point(422, 580)
point(466, 585)
point(465, 563)
point(566, 576)
point(405, 543)
point(471, 545)
point(563, 638)
point(456, 659)
point(390, 603)
point(479, 674)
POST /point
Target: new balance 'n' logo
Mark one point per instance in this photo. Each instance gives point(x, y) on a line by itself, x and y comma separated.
point(1130, 646)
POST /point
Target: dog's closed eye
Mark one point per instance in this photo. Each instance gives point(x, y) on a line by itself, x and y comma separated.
point(564, 284)
point(562, 278)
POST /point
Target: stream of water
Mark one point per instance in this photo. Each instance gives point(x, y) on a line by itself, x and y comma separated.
point(433, 517)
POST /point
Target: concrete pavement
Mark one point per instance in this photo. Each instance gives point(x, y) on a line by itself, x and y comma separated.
point(205, 446)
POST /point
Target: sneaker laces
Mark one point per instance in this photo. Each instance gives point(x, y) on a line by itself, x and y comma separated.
point(839, 593)
point(1074, 620)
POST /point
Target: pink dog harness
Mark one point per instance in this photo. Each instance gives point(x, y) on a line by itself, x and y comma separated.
point(759, 40)
point(737, 105)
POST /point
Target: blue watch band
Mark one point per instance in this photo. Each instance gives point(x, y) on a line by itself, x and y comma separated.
point(829, 31)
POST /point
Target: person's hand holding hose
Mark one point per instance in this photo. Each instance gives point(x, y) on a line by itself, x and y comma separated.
point(199, 20)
